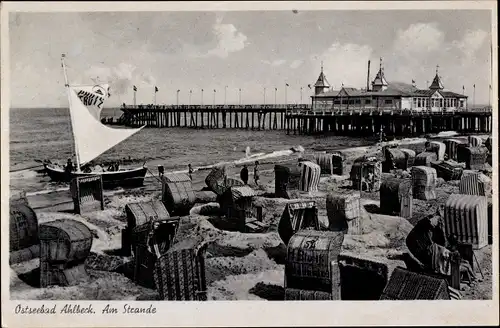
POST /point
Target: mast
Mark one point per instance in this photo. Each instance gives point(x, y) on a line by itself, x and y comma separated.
point(66, 84)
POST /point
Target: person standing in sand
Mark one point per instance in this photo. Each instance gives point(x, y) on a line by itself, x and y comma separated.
point(190, 171)
point(244, 174)
point(256, 174)
point(69, 166)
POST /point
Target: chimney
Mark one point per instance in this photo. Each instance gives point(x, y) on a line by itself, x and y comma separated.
point(368, 78)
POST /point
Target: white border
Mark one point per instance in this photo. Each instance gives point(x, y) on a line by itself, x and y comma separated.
point(248, 313)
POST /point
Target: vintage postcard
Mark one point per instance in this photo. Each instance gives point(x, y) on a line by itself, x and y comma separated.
point(249, 163)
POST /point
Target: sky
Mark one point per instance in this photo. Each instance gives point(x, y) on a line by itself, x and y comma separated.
point(247, 50)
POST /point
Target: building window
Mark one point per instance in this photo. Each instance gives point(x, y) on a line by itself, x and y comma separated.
point(388, 101)
point(462, 103)
point(357, 101)
point(414, 102)
point(368, 101)
point(419, 104)
point(336, 102)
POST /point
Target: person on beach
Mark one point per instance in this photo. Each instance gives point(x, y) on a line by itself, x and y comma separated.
point(69, 166)
point(382, 135)
point(427, 241)
point(244, 174)
point(190, 171)
point(256, 175)
point(370, 182)
point(68, 169)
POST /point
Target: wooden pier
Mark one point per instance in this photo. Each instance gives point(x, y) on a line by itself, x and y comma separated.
point(248, 117)
point(303, 120)
point(392, 122)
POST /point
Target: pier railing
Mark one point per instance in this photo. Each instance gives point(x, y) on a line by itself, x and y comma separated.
point(252, 107)
point(297, 109)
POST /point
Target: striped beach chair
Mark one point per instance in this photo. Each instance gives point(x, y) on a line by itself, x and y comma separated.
point(325, 162)
point(309, 177)
point(475, 141)
point(179, 274)
point(466, 217)
point(472, 183)
point(451, 148)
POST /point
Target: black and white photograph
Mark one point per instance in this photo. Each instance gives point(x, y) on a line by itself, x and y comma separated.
point(219, 153)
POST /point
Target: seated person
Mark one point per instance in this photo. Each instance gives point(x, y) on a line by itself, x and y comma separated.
point(428, 243)
point(98, 168)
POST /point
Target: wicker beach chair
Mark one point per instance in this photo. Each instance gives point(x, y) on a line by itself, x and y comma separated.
point(311, 269)
point(180, 272)
point(177, 193)
point(361, 278)
point(409, 285)
point(343, 212)
point(297, 216)
point(24, 243)
point(64, 247)
point(423, 182)
point(396, 197)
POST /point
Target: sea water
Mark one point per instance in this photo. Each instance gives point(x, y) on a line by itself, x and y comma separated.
point(44, 133)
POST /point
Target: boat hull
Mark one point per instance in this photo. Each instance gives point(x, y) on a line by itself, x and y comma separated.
point(123, 178)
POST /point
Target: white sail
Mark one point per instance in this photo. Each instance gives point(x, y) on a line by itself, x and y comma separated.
point(92, 138)
point(93, 97)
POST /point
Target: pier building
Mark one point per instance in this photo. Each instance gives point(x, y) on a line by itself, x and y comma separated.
point(382, 95)
point(400, 109)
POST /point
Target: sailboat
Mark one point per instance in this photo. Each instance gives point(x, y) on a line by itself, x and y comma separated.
point(91, 138)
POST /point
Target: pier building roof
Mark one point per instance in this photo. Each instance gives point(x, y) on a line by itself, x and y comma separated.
point(322, 81)
point(436, 83)
point(444, 93)
point(393, 90)
point(328, 94)
point(380, 79)
point(381, 88)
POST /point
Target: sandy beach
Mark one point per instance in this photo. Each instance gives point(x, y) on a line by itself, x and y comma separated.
point(239, 266)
